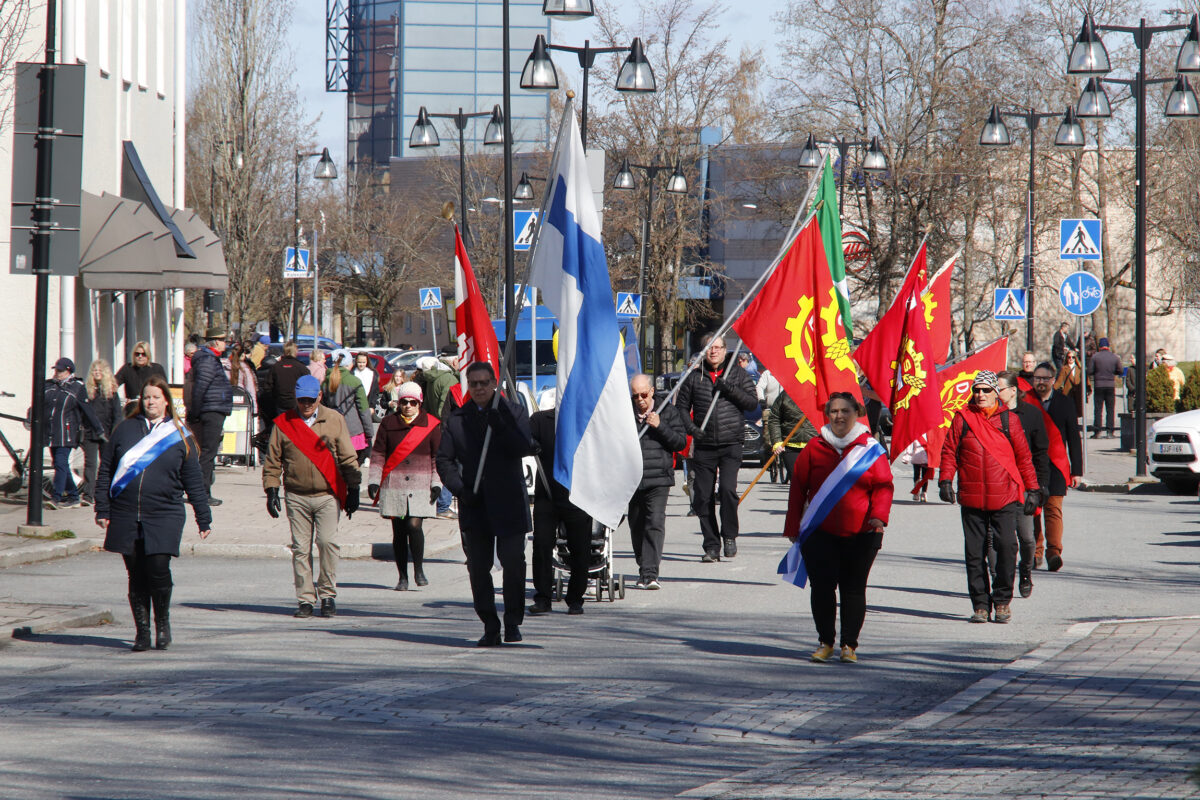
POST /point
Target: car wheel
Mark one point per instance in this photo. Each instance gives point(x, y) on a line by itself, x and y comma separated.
point(1181, 485)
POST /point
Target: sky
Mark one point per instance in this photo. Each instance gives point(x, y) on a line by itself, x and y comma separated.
point(744, 23)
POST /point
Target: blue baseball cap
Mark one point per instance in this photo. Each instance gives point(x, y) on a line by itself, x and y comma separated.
point(308, 387)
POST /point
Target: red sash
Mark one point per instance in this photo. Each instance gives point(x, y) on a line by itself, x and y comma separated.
point(308, 443)
point(412, 438)
point(458, 393)
point(994, 442)
point(1057, 449)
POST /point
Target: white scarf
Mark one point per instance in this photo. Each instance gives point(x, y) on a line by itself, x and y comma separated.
point(841, 443)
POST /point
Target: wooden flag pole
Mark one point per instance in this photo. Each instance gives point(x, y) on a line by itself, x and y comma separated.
point(767, 465)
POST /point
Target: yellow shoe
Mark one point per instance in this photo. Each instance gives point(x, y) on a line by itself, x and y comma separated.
point(823, 653)
point(848, 656)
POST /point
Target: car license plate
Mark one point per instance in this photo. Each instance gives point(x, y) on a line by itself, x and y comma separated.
point(1165, 449)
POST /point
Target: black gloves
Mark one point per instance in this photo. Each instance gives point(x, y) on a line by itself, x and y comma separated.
point(273, 502)
point(946, 491)
point(351, 501)
point(435, 493)
point(721, 386)
point(373, 491)
point(1031, 502)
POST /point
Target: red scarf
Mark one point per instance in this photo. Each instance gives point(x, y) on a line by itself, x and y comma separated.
point(413, 437)
point(1057, 449)
point(317, 451)
point(459, 394)
point(994, 442)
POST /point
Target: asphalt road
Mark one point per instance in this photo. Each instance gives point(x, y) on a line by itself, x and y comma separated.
point(645, 697)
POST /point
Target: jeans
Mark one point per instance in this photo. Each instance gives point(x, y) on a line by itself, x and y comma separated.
point(647, 528)
point(707, 464)
point(64, 481)
point(443, 501)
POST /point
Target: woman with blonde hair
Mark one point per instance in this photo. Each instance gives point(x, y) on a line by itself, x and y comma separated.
point(390, 391)
point(149, 462)
point(101, 386)
point(135, 372)
point(1069, 381)
point(241, 374)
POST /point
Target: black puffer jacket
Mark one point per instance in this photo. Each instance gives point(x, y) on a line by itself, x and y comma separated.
point(211, 390)
point(154, 498)
point(735, 395)
point(659, 446)
point(65, 408)
point(784, 416)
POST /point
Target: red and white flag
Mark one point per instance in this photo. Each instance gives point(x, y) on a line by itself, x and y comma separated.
point(476, 336)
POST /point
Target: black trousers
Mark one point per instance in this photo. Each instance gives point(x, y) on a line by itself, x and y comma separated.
point(408, 536)
point(648, 528)
point(1105, 397)
point(839, 564)
point(577, 527)
point(788, 457)
point(997, 530)
point(147, 573)
point(716, 468)
point(483, 547)
point(208, 436)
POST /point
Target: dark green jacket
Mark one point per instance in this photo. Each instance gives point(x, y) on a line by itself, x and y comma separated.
point(784, 416)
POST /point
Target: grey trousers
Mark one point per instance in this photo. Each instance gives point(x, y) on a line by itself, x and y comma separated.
point(314, 518)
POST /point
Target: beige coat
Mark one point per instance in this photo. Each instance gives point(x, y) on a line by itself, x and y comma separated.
point(299, 474)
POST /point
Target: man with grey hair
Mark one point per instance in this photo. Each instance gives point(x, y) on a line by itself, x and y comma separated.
point(662, 435)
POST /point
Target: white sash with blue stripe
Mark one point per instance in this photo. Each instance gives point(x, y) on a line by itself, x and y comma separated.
point(848, 471)
point(161, 438)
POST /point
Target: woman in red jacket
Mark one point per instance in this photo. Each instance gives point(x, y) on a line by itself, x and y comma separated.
point(840, 549)
point(986, 447)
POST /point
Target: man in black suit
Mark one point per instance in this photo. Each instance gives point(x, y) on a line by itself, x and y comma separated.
point(1061, 411)
point(495, 518)
point(1062, 343)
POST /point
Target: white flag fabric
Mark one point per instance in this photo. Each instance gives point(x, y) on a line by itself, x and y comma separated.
point(597, 455)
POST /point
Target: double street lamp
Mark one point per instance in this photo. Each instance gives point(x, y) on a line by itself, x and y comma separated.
point(995, 134)
point(625, 181)
point(1090, 57)
point(424, 134)
point(325, 170)
point(874, 161)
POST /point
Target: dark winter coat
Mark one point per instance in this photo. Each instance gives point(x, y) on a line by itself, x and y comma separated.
point(1037, 439)
point(211, 390)
point(784, 416)
point(541, 430)
point(1062, 414)
point(983, 482)
point(65, 408)
point(282, 383)
point(1103, 368)
point(132, 378)
point(734, 395)
point(659, 446)
point(109, 411)
point(154, 498)
point(501, 507)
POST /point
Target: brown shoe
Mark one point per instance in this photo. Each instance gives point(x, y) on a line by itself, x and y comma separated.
point(1003, 614)
point(980, 615)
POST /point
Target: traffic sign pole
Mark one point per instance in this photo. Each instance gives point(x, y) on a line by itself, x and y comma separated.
point(1079, 342)
point(433, 331)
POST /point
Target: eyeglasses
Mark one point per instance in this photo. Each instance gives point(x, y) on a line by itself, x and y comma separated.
point(408, 401)
point(717, 347)
point(982, 390)
point(479, 384)
point(139, 355)
point(1042, 378)
point(641, 395)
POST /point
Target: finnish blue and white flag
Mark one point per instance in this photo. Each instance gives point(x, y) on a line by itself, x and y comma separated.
point(597, 455)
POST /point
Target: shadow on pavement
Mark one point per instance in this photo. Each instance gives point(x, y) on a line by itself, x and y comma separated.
point(286, 611)
point(726, 647)
point(916, 612)
point(915, 590)
point(75, 640)
point(412, 638)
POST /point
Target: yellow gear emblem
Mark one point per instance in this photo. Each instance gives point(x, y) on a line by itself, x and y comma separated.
point(801, 348)
point(956, 392)
point(927, 301)
point(836, 347)
point(912, 373)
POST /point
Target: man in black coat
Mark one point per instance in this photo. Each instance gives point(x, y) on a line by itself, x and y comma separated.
point(717, 439)
point(494, 519)
point(1061, 344)
point(1039, 447)
point(1103, 369)
point(65, 408)
point(1061, 411)
point(662, 436)
point(552, 507)
point(211, 403)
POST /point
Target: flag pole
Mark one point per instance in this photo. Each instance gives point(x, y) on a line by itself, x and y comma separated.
point(713, 404)
point(975, 350)
point(771, 460)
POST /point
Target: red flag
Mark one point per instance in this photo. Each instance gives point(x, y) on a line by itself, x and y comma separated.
point(476, 336)
point(955, 379)
point(916, 402)
point(877, 355)
point(794, 326)
point(936, 298)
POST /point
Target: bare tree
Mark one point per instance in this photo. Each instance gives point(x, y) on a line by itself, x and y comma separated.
point(14, 28)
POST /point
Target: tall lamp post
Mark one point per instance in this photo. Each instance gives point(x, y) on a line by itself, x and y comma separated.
point(1089, 57)
point(325, 170)
point(995, 134)
point(236, 161)
point(676, 184)
point(424, 134)
point(874, 160)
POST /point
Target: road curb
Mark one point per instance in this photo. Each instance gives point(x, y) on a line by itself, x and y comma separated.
point(82, 617)
point(47, 551)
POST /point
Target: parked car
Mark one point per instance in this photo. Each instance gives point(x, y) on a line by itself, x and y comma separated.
point(1174, 450)
point(407, 359)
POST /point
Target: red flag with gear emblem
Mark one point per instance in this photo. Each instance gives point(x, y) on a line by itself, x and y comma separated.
point(954, 379)
point(794, 326)
point(936, 298)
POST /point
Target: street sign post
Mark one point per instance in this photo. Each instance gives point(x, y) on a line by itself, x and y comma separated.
point(629, 304)
point(1081, 293)
point(1079, 239)
point(524, 224)
point(431, 300)
point(1009, 304)
point(292, 269)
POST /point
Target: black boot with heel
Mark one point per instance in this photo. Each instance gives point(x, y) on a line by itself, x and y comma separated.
point(162, 618)
point(139, 604)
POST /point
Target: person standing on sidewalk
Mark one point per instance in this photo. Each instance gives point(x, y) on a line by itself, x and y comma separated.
point(135, 372)
point(986, 448)
point(1103, 369)
point(783, 417)
point(839, 539)
point(403, 479)
point(211, 402)
point(101, 389)
point(1039, 446)
point(310, 454)
point(495, 518)
point(66, 410)
point(717, 440)
point(149, 462)
point(344, 393)
point(1066, 465)
point(662, 436)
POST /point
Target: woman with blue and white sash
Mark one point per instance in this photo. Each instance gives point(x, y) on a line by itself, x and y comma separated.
point(838, 506)
point(150, 460)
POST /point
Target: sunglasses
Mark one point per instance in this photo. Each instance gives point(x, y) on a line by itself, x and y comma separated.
point(982, 390)
point(479, 384)
point(143, 355)
point(410, 402)
point(641, 395)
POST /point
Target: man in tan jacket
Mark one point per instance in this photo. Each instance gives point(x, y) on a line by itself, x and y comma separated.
point(310, 448)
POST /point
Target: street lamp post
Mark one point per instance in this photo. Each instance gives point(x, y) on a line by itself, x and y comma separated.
point(424, 134)
point(236, 161)
point(676, 184)
point(325, 170)
point(873, 161)
point(1089, 57)
point(995, 134)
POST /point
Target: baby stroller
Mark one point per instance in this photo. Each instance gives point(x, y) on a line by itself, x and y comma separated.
point(601, 580)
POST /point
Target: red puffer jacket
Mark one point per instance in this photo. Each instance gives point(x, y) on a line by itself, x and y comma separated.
point(869, 498)
point(983, 482)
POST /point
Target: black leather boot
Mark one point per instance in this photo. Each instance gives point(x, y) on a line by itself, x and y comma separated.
point(162, 617)
point(139, 604)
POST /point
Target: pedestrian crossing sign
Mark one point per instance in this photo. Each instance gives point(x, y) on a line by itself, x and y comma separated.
point(524, 224)
point(431, 298)
point(1079, 239)
point(629, 304)
point(1008, 304)
point(293, 268)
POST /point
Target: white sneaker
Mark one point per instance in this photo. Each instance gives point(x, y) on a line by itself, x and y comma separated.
point(653, 584)
point(641, 583)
